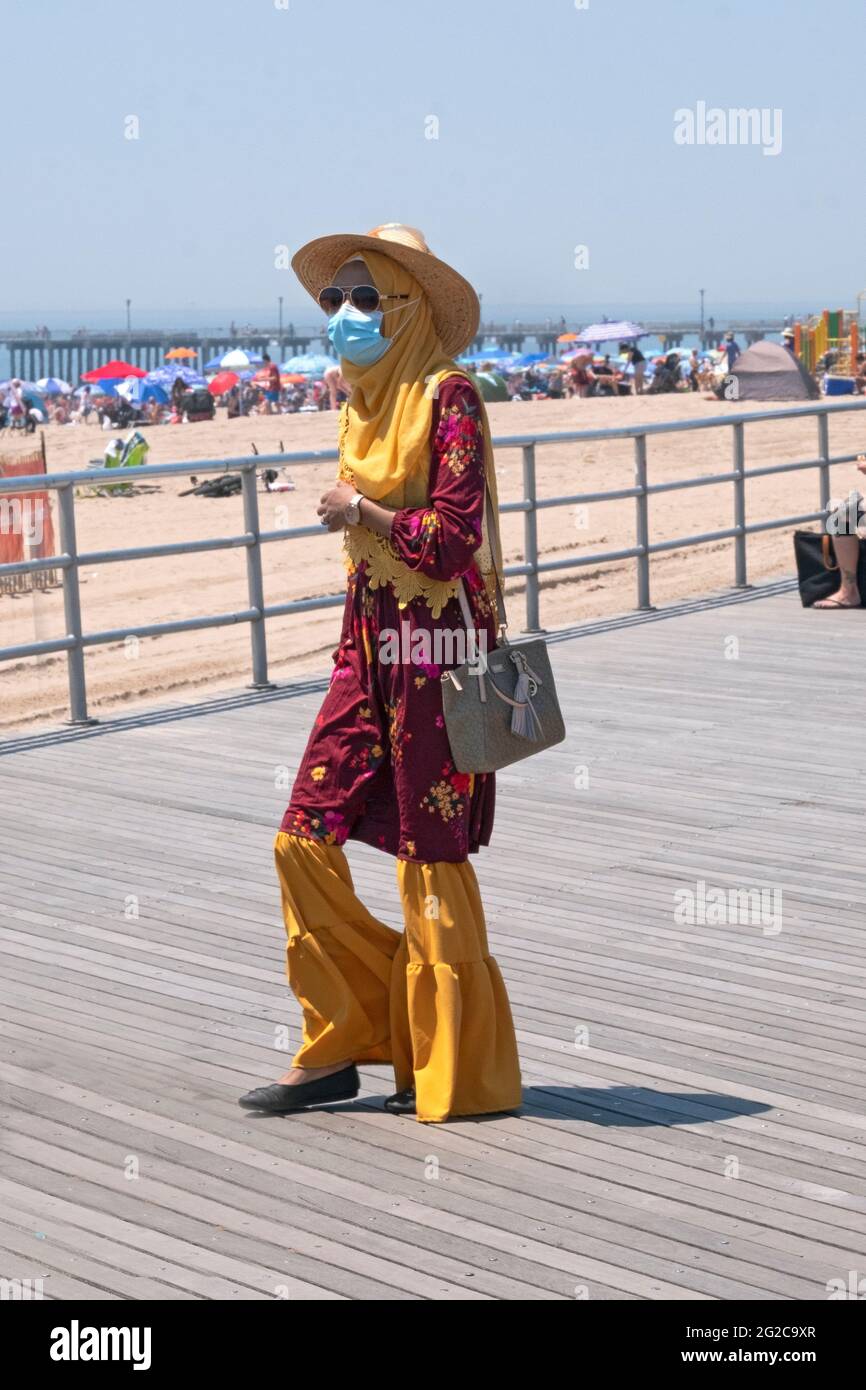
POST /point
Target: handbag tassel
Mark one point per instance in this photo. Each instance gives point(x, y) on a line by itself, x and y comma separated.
point(525, 723)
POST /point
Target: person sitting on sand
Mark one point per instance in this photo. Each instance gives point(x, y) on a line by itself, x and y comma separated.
point(178, 391)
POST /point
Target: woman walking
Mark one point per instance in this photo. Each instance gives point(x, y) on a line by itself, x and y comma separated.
point(416, 465)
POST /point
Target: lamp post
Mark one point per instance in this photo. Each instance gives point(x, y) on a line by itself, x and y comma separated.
point(702, 317)
point(128, 320)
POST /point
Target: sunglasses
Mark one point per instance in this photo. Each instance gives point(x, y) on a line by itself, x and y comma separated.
point(365, 298)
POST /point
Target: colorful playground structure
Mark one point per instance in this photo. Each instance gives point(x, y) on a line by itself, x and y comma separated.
point(834, 331)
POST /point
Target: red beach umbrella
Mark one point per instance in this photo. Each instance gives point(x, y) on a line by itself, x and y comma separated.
point(222, 382)
point(113, 371)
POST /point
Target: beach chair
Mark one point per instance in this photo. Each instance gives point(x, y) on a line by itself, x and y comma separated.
point(121, 453)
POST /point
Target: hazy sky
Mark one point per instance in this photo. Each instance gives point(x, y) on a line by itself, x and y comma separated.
point(262, 123)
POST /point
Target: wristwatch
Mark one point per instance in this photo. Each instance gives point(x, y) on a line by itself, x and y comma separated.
point(352, 512)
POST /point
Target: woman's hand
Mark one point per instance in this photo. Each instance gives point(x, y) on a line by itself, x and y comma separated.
point(333, 506)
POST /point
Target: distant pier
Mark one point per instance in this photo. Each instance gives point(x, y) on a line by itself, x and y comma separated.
point(69, 355)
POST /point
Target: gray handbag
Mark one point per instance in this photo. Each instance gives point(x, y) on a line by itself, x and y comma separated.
point(502, 706)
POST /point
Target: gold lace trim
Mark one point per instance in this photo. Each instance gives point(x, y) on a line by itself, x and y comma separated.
point(384, 566)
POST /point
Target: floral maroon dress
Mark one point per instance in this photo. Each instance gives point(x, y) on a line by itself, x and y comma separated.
point(378, 766)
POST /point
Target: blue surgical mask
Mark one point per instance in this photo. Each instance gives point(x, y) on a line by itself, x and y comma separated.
point(356, 337)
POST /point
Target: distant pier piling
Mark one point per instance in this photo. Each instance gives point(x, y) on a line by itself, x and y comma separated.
point(69, 356)
point(34, 355)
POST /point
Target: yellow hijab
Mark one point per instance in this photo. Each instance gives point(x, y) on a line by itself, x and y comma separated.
point(386, 423)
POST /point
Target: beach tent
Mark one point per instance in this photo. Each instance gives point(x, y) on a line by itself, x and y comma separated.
point(769, 372)
point(491, 386)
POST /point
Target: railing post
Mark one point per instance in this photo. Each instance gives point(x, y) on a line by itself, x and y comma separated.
point(72, 608)
point(642, 523)
point(255, 585)
point(530, 539)
point(740, 564)
point(824, 455)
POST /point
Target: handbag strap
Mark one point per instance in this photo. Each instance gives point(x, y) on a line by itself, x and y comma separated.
point(495, 554)
point(826, 545)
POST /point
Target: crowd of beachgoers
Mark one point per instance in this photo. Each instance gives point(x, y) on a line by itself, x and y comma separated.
point(119, 394)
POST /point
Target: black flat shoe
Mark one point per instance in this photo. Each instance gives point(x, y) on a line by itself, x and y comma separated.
point(402, 1103)
point(280, 1100)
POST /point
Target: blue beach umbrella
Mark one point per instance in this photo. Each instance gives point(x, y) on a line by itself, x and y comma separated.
point(54, 386)
point(622, 331)
point(139, 391)
point(168, 375)
point(309, 364)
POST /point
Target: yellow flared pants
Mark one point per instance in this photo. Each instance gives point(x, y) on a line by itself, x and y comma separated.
point(431, 1000)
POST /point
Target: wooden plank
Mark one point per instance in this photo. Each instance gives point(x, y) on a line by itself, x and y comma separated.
point(707, 1044)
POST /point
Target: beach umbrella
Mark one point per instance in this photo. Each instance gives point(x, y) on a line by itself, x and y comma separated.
point(25, 387)
point(139, 392)
point(222, 382)
point(309, 363)
point(105, 388)
point(237, 359)
point(567, 338)
point(167, 376)
point(116, 370)
point(621, 332)
point(494, 354)
point(293, 378)
point(53, 386)
point(178, 353)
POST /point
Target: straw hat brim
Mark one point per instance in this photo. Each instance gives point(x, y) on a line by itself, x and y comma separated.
point(454, 303)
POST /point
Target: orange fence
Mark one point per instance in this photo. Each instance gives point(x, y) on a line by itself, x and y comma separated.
point(26, 525)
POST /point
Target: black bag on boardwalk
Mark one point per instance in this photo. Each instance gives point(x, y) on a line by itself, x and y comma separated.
point(818, 570)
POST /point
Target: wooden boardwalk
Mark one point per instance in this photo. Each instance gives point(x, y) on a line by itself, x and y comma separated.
point(693, 1122)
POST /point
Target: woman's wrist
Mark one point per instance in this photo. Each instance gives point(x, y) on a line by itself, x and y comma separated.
point(376, 517)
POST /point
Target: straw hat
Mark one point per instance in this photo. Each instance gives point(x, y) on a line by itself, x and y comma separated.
point(454, 303)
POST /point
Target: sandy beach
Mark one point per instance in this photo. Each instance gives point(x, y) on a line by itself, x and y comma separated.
point(117, 595)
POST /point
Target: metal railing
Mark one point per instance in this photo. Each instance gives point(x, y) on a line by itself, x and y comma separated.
point(70, 561)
